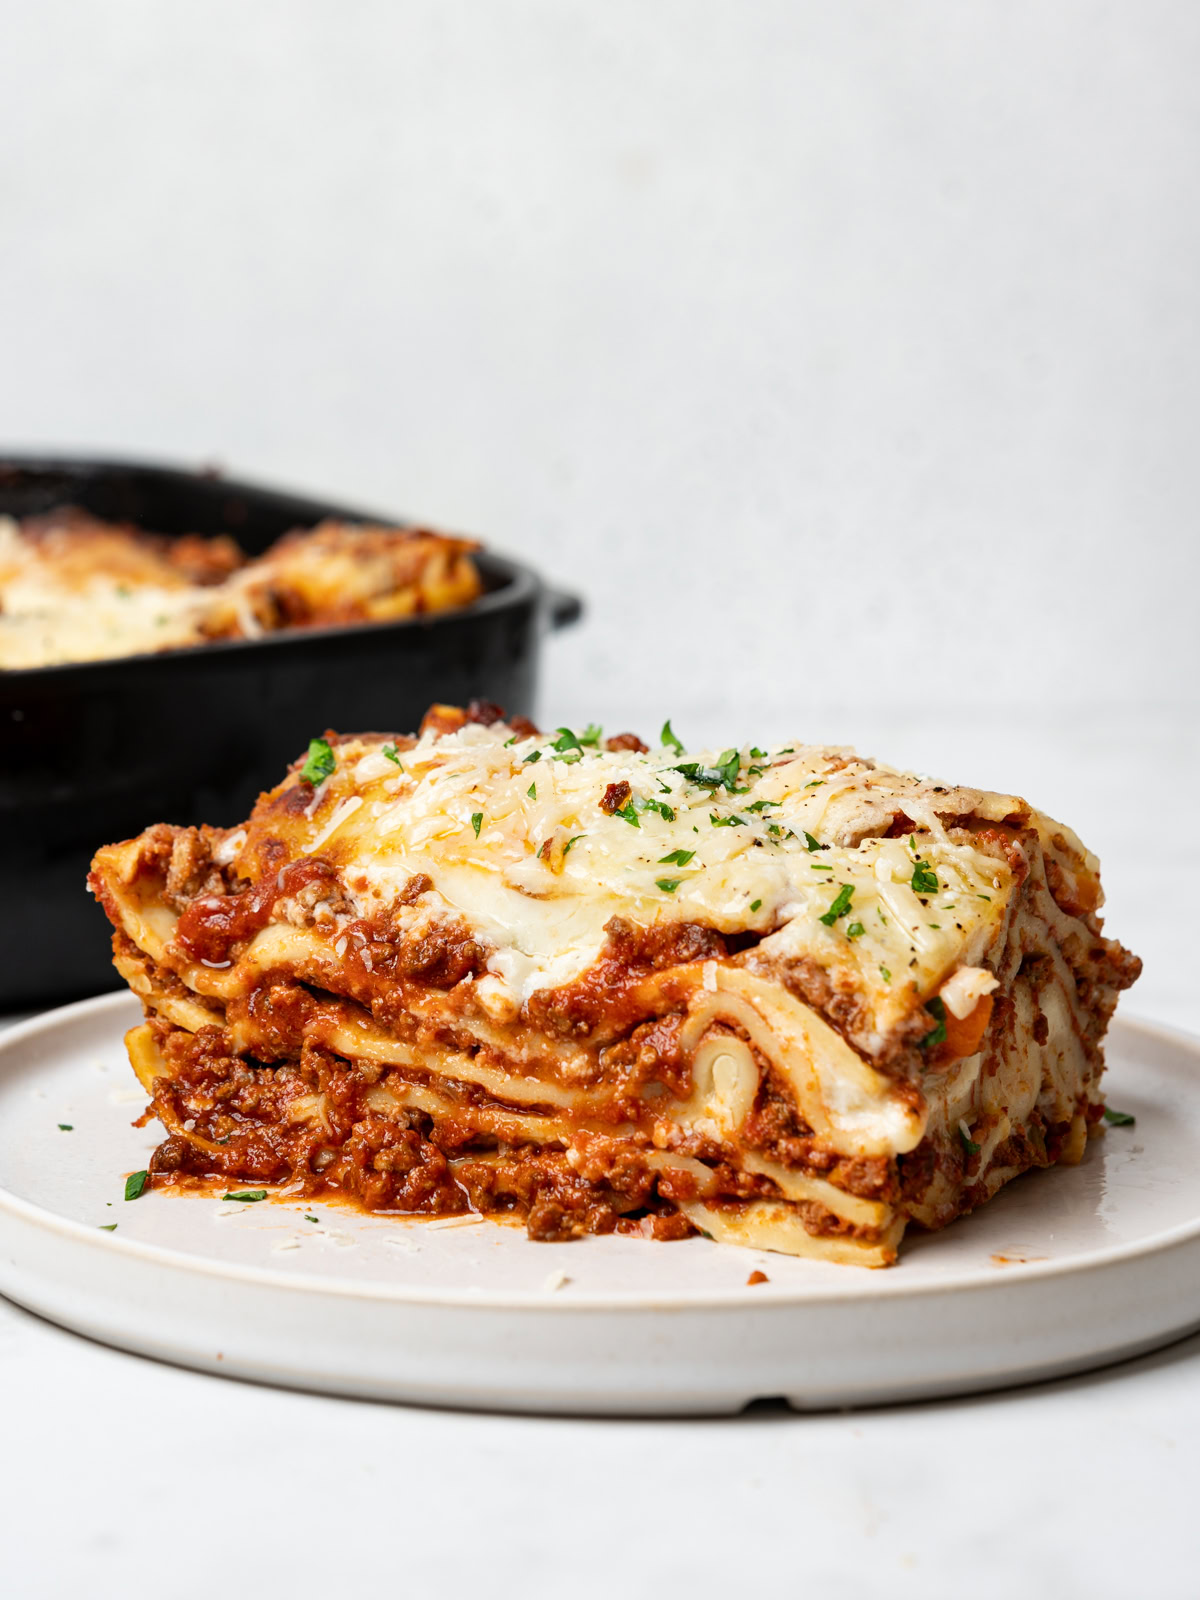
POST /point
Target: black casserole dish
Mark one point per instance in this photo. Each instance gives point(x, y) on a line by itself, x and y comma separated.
point(96, 751)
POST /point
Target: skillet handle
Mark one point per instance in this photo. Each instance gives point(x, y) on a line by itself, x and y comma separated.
point(561, 609)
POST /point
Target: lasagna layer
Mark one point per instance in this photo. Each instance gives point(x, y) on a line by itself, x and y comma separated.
point(786, 997)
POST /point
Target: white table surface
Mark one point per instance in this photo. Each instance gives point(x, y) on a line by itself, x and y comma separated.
point(114, 1467)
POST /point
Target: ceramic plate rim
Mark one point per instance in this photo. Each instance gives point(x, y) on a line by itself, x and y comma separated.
point(868, 1285)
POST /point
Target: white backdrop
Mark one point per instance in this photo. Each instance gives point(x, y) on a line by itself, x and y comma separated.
point(845, 356)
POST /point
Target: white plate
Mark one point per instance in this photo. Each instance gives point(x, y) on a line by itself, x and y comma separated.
point(1065, 1270)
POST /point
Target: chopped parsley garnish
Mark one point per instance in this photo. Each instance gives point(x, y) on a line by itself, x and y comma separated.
point(135, 1183)
point(247, 1195)
point(726, 822)
point(1118, 1119)
point(722, 775)
point(756, 754)
point(320, 763)
point(669, 885)
point(840, 905)
point(633, 805)
point(591, 735)
point(887, 977)
point(761, 805)
point(309, 1218)
point(810, 843)
point(729, 764)
point(668, 740)
point(855, 930)
point(534, 755)
point(532, 791)
point(664, 810)
point(924, 879)
point(390, 751)
point(571, 841)
point(774, 830)
point(108, 1227)
point(937, 1034)
point(983, 897)
point(817, 783)
point(819, 866)
point(677, 858)
point(567, 747)
point(968, 1143)
point(66, 1127)
point(754, 904)
point(477, 821)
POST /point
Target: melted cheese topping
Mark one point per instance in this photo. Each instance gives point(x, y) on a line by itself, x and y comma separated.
point(787, 845)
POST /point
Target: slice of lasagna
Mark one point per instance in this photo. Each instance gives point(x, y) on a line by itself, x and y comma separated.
point(789, 998)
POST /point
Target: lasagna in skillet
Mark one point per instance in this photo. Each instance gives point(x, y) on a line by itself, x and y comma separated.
point(73, 588)
point(786, 997)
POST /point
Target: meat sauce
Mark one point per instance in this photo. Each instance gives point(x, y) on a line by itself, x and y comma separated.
point(211, 926)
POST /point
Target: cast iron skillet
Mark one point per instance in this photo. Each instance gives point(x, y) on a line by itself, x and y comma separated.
point(96, 751)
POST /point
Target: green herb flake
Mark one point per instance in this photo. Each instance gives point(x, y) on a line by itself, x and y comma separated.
point(572, 841)
point(811, 844)
point(592, 735)
point(722, 775)
point(668, 740)
point(983, 897)
point(108, 1227)
point(887, 977)
point(840, 905)
point(754, 904)
point(761, 805)
point(924, 879)
point(249, 1196)
point(135, 1183)
point(774, 830)
point(477, 821)
point(628, 813)
point(664, 810)
point(309, 1218)
point(66, 1127)
point(817, 783)
point(668, 885)
point(819, 866)
point(534, 755)
point(532, 791)
point(855, 930)
point(1118, 1119)
point(390, 751)
point(726, 822)
point(567, 747)
point(756, 754)
point(937, 1034)
point(677, 858)
point(320, 763)
point(729, 763)
point(968, 1143)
